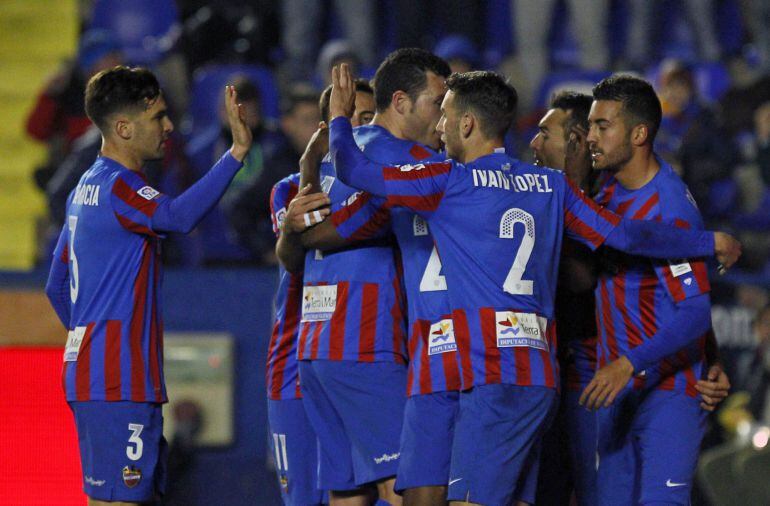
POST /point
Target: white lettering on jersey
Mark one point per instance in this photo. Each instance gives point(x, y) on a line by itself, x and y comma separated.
point(87, 195)
point(520, 329)
point(503, 179)
point(74, 340)
point(318, 302)
point(409, 168)
point(148, 192)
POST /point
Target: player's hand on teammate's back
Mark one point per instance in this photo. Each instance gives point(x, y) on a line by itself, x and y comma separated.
point(727, 249)
point(343, 98)
point(242, 137)
point(607, 383)
point(305, 210)
point(318, 146)
point(714, 389)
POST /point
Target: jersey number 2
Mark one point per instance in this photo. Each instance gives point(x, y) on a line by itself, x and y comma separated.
point(513, 283)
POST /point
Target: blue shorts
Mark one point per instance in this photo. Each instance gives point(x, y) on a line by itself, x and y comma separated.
point(426, 440)
point(648, 444)
point(497, 437)
point(295, 452)
point(356, 409)
point(122, 449)
point(581, 428)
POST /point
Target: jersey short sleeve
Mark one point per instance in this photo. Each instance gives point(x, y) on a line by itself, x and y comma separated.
point(361, 216)
point(135, 202)
point(419, 187)
point(584, 220)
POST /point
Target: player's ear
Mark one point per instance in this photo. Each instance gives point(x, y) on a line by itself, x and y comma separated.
point(401, 102)
point(639, 134)
point(467, 124)
point(123, 128)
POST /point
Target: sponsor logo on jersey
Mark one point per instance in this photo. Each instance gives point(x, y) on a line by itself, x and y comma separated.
point(280, 215)
point(86, 195)
point(520, 329)
point(148, 192)
point(409, 168)
point(441, 337)
point(131, 476)
point(386, 457)
point(93, 482)
point(326, 183)
point(74, 340)
point(680, 268)
point(318, 302)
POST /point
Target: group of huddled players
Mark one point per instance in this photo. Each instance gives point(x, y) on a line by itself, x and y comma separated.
point(414, 355)
point(416, 349)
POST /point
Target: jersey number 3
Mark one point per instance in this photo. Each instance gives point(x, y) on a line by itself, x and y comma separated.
point(72, 223)
point(514, 284)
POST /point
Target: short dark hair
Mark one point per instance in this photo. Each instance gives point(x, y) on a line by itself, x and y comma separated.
point(640, 103)
point(296, 95)
point(119, 89)
point(578, 104)
point(404, 69)
point(489, 96)
point(326, 95)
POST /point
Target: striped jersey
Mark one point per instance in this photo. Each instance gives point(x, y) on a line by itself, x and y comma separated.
point(353, 305)
point(635, 296)
point(498, 225)
point(282, 369)
point(114, 349)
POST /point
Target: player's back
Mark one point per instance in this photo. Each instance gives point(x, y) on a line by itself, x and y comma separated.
point(114, 351)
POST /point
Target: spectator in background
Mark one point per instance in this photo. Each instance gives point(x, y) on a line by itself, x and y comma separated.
point(335, 52)
point(301, 35)
point(248, 207)
point(58, 116)
point(219, 245)
point(690, 138)
point(459, 52)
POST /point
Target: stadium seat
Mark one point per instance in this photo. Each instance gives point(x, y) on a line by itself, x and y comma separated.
point(207, 92)
point(147, 29)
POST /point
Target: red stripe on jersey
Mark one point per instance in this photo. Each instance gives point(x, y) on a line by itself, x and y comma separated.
point(134, 227)
point(579, 227)
point(451, 372)
point(632, 331)
point(345, 212)
point(647, 286)
point(136, 327)
point(488, 322)
point(428, 170)
point(689, 375)
point(609, 324)
point(523, 366)
point(281, 344)
point(674, 286)
point(547, 357)
point(667, 370)
point(419, 153)
point(426, 382)
point(623, 206)
point(124, 192)
point(83, 370)
point(608, 216)
point(646, 207)
point(463, 338)
point(303, 339)
point(315, 338)
point(375, 223)
point(701, 276)
point(155, 351)
point(416, 202)
point(368, 327)
point(337, 323)
point(604, 199)
point(65, 253)
point(297, 388)
point(397, 314)
point(112, 361)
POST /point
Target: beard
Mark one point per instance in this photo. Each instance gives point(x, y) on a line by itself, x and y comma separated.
point(613, 161)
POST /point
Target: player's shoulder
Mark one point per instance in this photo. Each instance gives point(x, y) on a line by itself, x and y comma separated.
point(382, 146)
point(290, 181)
point(675, 199)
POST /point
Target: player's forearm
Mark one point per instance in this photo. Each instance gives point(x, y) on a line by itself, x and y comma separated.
point(323, 236)
point(57, 290)
point(290, 252)
point(310, 173)
point(352, 166)
point(184, 212)
point(660, 240)
point(691, 319)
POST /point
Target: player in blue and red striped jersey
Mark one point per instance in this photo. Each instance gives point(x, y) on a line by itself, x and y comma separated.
point(293, 440)
point(653, 316)
point(504, 337)
point(363, 227)
point(105, 277)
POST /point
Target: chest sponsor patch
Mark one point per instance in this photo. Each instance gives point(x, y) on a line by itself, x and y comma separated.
point(520, 329)
point(680, 268)
point(74, 340)
point(441, 338)
point(318, 302)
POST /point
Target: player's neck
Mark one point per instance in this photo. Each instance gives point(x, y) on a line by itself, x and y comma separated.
point(638, 171)
point(478, 149)
point(389, 123)
point(120, 155)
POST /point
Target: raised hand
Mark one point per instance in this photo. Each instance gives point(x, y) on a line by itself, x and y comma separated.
point(318, 146)
point(242, 138)
point(305, 210)
point(343, 98)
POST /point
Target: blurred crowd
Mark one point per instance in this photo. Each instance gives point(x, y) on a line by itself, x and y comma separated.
point(708, 59)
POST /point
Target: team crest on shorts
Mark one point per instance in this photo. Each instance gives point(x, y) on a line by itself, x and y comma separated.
point(441, 337)
point(131, 476)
